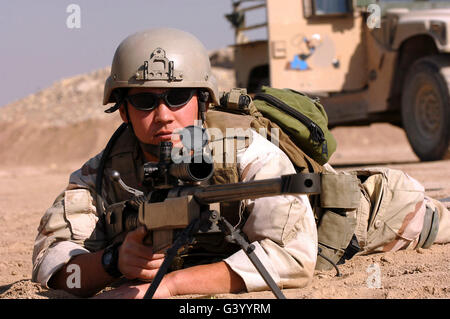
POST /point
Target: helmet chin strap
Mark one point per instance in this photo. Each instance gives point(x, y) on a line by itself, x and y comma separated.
point(119, 96)
point(203, 98)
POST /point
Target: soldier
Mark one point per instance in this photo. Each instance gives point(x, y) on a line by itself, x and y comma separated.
point(161, 81)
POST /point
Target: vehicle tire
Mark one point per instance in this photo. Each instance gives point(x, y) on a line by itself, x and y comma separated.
point(258, 78)
point(426, 107)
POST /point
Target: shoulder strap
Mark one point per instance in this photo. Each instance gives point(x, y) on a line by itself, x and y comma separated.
point(101, 167)
point(227, 172)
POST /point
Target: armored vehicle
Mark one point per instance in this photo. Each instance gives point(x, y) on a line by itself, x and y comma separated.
point(368, 61)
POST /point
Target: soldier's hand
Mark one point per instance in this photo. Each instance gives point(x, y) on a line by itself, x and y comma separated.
point(136, 260)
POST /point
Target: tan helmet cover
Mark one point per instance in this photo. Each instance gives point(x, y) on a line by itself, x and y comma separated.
point(161, 58)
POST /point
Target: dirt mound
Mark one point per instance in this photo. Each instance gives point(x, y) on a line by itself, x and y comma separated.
point(32, 144)
point(223, 58)
point(68, 101)
point(66, 122)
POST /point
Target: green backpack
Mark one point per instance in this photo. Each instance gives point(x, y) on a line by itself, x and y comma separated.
point(302, 118)
point(303, 123)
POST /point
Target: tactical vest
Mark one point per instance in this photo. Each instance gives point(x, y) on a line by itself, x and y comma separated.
point(334, 209)
point(126, 157)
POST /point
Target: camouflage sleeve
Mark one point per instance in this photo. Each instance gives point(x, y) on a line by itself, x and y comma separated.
point(391, 212)
point(70, 227)
point(281, 227)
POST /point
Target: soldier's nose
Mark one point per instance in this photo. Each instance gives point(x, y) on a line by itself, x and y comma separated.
point(163, 113)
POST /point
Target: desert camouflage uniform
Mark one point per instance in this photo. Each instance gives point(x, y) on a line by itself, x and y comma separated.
point(282, 227)
point(392, 211)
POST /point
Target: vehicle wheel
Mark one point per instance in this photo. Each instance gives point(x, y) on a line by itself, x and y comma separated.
point(258, 78)
point(426, 108)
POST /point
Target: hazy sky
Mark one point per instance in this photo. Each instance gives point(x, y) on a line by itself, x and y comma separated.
point(37, 48)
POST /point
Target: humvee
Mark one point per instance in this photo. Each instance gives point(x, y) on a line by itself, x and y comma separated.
point(368, 61)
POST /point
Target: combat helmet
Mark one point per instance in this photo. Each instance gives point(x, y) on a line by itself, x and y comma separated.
point(160, 58)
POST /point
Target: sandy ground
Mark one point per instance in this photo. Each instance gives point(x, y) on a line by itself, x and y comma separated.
point(27, 190)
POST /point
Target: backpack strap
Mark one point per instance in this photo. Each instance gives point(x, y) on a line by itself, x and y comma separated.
point(429, 229)
point(237, 101)
point(336, 219)
point(299, 159)
point(225, 168)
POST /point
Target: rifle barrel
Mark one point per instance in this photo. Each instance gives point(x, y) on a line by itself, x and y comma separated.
point(294, 184)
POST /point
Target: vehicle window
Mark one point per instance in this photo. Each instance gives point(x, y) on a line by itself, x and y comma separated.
point(325, 7)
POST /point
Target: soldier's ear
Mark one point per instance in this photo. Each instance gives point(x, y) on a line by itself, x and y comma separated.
point(123, 113)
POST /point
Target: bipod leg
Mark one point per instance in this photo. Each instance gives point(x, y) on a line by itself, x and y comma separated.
point(181, 240)
point(234, 236)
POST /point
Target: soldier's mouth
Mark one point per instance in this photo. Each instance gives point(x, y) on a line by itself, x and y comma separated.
point(164, 135)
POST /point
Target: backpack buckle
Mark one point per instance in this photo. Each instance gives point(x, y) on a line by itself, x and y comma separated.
point(237, 99)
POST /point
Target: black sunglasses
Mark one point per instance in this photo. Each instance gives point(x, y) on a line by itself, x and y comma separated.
point(173, 98)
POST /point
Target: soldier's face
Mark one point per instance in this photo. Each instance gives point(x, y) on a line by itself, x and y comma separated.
point(157, 125)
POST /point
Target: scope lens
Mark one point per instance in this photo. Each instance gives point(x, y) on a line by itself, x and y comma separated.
point(200, 171)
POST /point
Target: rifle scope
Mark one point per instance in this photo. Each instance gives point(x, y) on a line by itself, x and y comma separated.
point(192, 169)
